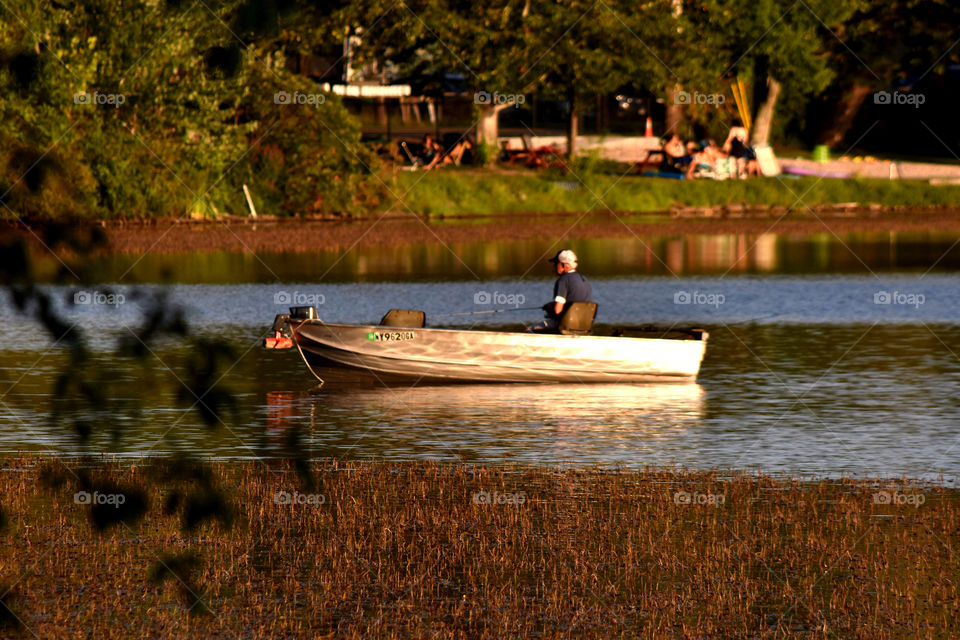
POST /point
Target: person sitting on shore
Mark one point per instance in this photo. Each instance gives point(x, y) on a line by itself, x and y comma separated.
point(434, 156)
point(706, 162)
point(455, 154)
point(736, 146)
point(431, 154)
point(676, 159)
point(570, 287)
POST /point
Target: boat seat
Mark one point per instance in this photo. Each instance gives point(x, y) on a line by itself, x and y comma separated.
point(578, 318)
point(404, 318)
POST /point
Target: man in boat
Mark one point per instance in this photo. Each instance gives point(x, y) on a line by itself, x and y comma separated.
point(570, 287)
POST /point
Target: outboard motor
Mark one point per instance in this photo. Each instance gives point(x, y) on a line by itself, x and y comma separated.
point(279, 340)
point(282, 338)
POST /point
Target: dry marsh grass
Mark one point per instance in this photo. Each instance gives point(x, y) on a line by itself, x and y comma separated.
point(376, 549)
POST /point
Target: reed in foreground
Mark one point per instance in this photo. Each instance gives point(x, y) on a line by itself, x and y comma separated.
point(377, 549)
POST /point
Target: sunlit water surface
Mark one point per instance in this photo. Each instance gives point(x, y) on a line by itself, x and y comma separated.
point(809, 374)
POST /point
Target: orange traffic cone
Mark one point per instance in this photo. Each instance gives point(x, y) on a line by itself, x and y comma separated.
point(649, 130)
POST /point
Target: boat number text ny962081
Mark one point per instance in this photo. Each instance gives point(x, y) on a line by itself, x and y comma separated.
point(389, 336)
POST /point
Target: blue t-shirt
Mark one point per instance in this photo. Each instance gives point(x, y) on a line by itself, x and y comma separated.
point(572, 287)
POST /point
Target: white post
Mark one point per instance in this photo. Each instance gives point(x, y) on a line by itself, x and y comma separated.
point(253, 211)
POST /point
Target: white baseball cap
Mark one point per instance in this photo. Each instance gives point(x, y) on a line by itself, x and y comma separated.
point(566, 256)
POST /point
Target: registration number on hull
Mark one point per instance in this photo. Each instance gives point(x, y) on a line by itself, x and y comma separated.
point(389, 336)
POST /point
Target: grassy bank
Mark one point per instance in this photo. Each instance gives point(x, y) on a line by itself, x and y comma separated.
point(469, 191)
point(451, 192)
point(428, 550)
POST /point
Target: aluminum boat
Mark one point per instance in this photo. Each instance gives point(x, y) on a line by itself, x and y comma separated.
point(454, 355)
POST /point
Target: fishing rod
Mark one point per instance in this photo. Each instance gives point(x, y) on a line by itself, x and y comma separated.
point(474, 313)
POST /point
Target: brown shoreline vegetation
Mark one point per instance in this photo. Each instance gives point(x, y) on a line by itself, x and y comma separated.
point(421, 549)
point(299, 235)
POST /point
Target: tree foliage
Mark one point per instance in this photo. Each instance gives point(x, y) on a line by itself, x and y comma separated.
point(158, 108)
point(166, 108)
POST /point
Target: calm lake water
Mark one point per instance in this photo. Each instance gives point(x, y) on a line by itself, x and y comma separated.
point(827, 356)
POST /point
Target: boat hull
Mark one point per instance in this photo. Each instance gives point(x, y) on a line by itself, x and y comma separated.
point(493, 356)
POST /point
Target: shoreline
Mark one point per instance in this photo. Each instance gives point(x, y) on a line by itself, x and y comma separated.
point(397, 230)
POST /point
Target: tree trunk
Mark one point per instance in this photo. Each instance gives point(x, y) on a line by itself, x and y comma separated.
point(572, 126)
point(488, 130)
point(673, 116)
point(843, 114)
point(760, 135)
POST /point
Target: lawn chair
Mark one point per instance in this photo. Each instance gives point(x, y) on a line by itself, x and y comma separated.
point(414, 160)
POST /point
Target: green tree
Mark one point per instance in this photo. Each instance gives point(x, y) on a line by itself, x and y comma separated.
point(567, 49)
point(876, 42)
point(488, 43)
point(592, 48)
point(162, 109)
point(778, 46)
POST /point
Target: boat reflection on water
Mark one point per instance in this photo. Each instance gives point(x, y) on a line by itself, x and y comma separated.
point(604, 424)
